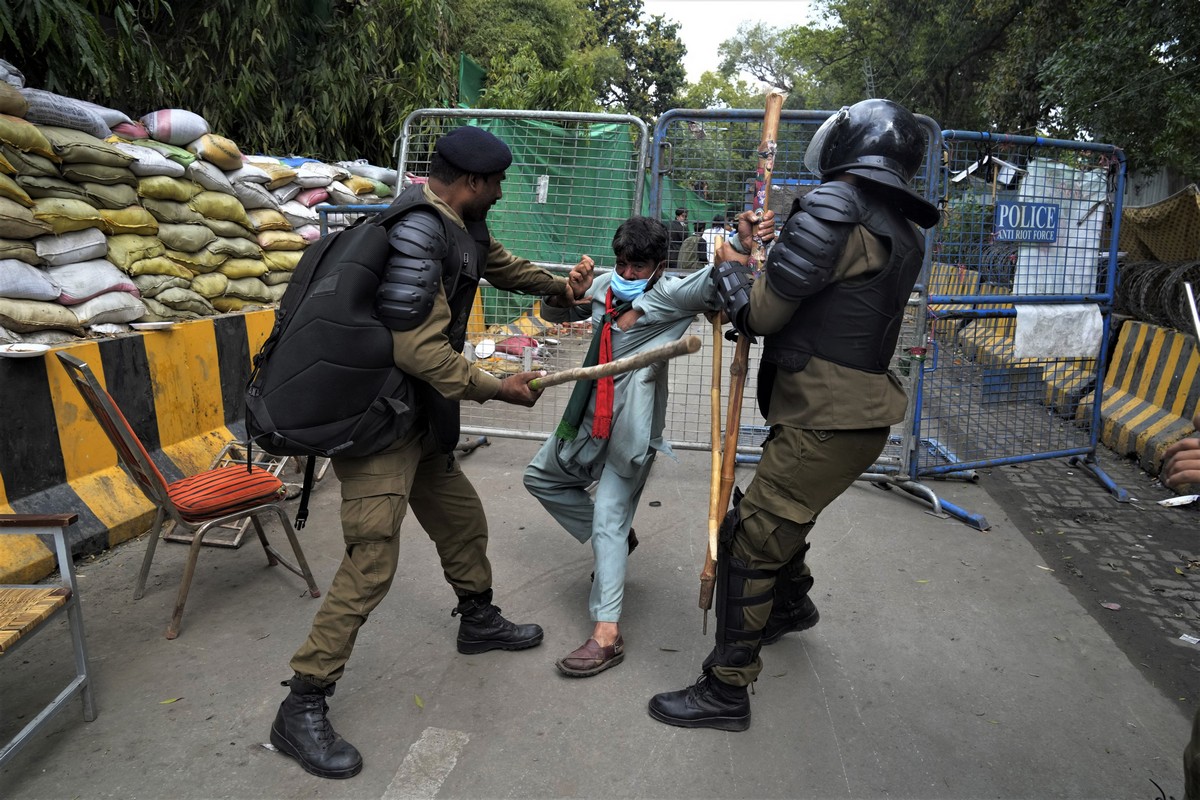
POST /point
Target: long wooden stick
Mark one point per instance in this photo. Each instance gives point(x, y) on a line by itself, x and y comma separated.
point(679, 347)
point(714, 482)
point(741, 354)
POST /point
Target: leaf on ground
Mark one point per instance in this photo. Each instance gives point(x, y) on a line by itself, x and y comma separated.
point(1112, 606)
point(1178, 571)
point(925, 581)
point(1039, 566)
point(420, 703)
point(172, 700)
point(669, 649)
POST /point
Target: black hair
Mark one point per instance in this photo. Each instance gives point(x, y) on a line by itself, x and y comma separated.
point(641, 239)
point(719, 219)
point(443, 170)
point(679, 211)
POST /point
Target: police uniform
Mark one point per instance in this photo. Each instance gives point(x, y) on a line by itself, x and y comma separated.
point(430, 281)
point(829, 306)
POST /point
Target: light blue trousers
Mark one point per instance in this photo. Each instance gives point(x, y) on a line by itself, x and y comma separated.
point(561, 486)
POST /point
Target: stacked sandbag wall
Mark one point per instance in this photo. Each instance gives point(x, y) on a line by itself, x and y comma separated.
point(107, 220)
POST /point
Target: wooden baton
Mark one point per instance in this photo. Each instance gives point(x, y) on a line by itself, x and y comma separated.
point(680, 347)
point(741, 354)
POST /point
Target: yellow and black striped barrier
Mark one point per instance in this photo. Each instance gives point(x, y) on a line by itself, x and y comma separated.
point(1150, 392)
point(180, 388)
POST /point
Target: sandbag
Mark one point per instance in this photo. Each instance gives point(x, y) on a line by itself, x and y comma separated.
point(200, 261)
point(248, 289)
point(223, 227)
point(157, 312)
point(220, 206)
point(160, 187)
point(310, 233)
point(276, 278)
point(299, 214)
point(100, 173)
point(177, 154)
point(37, 187)
point(286, 192)
point(282, 260)
point(18, 222)
point(132, 219)
point(175, 126)
point(210, 176)
point(186, 238)
point(209, 286)
point(234, 247)
point(110, 307)
point(126, 249)
point(148, 161)
point(244, 268)
point(149, 285)
point(21, 250)
point(29, 163)
point(268, 219)
point(248, 173)
point(172, 211)
point(281, 240)
point(48, 108)
point(25, 136)
point(110, 116)
point(185, 300)
point(217, 150)
point(162, 266)
point(28, 316)
point(253, 195)
point(21, 281)
point(72, 146)
point(310, 197)
point(73, 246)
point(130, 130)
point(115, 196)
point(65, 215)
point(84, 280)
point(11, 100)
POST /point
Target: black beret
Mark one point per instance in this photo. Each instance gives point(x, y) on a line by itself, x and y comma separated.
point(474, 150)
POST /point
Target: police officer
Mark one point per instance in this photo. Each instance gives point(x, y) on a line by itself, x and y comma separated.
point(441, 249)
point(829, 311)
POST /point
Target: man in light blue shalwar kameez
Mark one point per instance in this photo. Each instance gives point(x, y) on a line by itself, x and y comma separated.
point(657, 310)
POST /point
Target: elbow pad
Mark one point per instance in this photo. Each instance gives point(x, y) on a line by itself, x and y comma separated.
point(414, 271)
point(806, 255)
point(733, 286)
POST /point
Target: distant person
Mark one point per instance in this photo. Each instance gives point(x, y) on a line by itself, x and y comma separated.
point(713, 234)
point(693, 253)
point(1181, 470)
point(678, 230)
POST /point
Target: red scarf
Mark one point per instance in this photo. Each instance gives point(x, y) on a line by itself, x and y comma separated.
point(602, 418)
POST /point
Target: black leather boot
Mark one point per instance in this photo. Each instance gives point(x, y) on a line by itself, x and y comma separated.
point(302, 731)
point(707, 703)
point(482, 628)
point(792, 610)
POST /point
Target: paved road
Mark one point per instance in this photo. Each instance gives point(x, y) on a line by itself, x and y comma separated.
point(949, 663)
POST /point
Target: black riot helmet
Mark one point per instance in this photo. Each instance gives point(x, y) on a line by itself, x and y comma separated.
point(880, 142)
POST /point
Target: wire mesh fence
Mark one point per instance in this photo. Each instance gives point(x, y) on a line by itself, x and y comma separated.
point(1020, 293)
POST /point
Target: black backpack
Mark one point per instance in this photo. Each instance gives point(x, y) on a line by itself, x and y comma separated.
point(325, 382)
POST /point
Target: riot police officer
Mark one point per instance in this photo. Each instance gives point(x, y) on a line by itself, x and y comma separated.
point(829, 309)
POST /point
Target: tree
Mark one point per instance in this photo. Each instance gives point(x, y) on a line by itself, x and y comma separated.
point(327, 78)
point(645, 73)
point(1129, 74)
point(714, 90)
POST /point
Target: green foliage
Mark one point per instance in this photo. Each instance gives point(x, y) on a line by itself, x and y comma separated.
point(715, 91)
point(645, 74)
point(521, 81)
point(329, 79)
point(1129, 74)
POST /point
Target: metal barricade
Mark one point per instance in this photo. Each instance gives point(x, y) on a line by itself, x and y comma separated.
point(1020, 297)
point(574, 178)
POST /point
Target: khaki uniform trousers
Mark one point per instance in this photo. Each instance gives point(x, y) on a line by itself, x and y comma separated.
point(801, 472)
point(377, 490)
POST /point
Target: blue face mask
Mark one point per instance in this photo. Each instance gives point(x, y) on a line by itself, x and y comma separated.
point(627, 290)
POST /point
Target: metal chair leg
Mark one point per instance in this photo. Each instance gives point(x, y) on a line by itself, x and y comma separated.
point(272, 556)
point(185, 584)
point(140, 589)
point(304, 571)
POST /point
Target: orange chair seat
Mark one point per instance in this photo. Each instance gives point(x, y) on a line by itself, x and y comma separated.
point(225, 490)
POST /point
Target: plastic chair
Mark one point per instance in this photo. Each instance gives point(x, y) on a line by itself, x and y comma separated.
point(26, 610)
point(198, 503)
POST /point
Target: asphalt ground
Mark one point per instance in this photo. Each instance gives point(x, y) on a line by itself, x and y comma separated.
point(948, 663)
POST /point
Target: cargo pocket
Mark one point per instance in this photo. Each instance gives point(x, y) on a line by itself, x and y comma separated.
point(372, 509)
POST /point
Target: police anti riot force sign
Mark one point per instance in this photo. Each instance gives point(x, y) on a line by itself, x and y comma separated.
point(1032, 223)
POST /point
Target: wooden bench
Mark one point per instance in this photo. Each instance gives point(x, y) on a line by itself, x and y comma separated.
point(26, 610)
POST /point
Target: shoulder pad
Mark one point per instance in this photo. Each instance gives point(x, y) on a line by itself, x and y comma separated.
point(414, 270)
point(419, 234)
point(835, 201)
point(806, 255)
